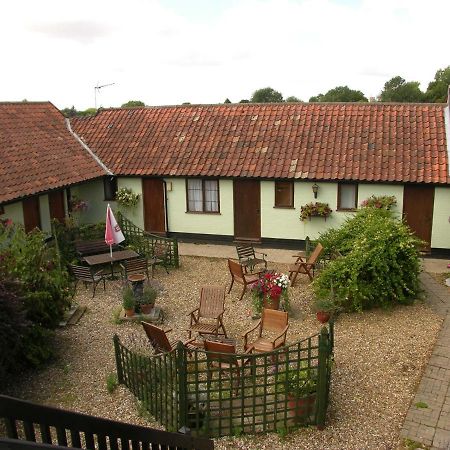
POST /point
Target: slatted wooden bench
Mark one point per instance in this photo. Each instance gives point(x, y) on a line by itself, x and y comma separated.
point(93, 247)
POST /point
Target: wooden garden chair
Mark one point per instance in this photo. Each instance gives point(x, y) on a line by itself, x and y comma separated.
point(159, 340)
point(306, 267)
point(247, 257)
point(86, 275)
point(222, 356)
point(160, 256)
point(133, 266)
point(273, 322)
point(207, 318)
point(238, 275)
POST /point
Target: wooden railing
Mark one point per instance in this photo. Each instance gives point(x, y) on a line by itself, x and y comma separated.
point(44, 425)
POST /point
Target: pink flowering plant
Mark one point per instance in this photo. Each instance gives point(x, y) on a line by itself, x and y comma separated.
point(78, 205)
point(380, 202)
point(317, 209)
point(271, 286)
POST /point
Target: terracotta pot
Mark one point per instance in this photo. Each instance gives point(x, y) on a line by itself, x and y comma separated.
point(271, 303)
point(147, 309)
point(301, 408)
point(129, 312)
point(322, 316)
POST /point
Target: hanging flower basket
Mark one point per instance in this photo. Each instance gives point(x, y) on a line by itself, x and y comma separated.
point(78, 205)
point(127, 198)
point(316, 209)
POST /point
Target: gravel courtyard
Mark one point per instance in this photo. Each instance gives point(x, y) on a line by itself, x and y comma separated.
point(379, 357)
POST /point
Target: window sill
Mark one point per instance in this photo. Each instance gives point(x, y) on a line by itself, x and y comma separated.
point(283, 207)
point(347, 209)
point(216, 213)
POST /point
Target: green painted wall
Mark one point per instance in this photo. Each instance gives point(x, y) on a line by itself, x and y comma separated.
point(440, 237)
point(13, 211)
point(135, 214)
point(183, 222)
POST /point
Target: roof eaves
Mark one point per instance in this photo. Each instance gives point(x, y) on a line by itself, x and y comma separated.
point(91, 153)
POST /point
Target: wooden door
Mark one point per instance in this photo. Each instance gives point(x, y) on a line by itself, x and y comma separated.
point(418, 204)
point(247, 210)
point(56, 205)
point(31, 215)
point(154, 205)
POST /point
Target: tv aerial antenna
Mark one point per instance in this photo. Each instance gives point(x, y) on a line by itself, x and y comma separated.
point(97, 89)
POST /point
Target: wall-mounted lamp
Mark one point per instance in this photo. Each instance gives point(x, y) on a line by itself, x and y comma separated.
point(169, 185)
point(315, 189)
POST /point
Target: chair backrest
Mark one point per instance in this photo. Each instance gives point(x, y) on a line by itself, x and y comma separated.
point(315, 254)
point(136, 265)
point(216, 352)
point(236, 270)
point(81, 272)
point(245, 251)
point(157, 337)
point(160, 250)
point(274, 320)
point(212, 299)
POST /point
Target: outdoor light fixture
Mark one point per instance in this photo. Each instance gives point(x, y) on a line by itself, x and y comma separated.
point(315, 189)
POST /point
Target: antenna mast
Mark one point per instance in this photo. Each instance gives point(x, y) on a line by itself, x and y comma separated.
point(97, 89)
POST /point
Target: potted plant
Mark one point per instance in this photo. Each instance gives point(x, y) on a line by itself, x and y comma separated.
point(325, 309)
point(269, 291)
point(317, 209)
point(127, 198)
point(300, 387)
point(146, 301)
point(128, 301)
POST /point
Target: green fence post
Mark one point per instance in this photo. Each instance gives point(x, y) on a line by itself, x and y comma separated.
point(118, 359)
point(182, 386)
point(176, 260)
point(322, 379)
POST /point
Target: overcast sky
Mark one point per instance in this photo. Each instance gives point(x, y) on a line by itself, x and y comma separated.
point(203, 51)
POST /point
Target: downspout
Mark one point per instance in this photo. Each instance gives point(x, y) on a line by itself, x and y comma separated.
point(165, 207)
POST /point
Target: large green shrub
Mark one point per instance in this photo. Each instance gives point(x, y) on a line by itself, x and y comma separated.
point(379, 262)
point(44, 290)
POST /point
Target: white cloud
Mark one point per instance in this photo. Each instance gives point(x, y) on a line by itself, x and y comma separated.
point(156, 53)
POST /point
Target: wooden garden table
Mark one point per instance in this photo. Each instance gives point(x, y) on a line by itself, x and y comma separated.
point(105, 258)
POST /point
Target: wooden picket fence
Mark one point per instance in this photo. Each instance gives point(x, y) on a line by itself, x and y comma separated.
point(249, 395)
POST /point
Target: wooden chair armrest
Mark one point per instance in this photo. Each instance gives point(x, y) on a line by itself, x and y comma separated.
point(262, 253)
point(299, 259)
point(193, 311)
point(99, 273)
point(252, 329)
point(283, 333)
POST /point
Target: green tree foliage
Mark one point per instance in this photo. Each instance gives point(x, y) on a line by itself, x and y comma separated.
point(227, 100)
point(379, 265)
point(87, 112)
point(340, 94)
point(44, 287)
point(438, 89)
point(244, 101)
point(69, 112)
point(266, 95)
point(292, 99)
point(133, 104)
point(397, 89)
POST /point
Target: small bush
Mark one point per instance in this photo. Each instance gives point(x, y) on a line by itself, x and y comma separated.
point(379, 264)
point(111, 382)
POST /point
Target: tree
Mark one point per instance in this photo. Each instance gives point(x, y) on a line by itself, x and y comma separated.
point(87, 112)
point(397, 89)
point(133, 104)
point(266, 95)
point(292, 99)
point(69, 112)
point(340, 94)
point(438, 89)
point(227, 100)
point(244, 101)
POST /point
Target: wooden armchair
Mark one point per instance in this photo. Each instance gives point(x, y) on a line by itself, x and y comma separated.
point(136, 265)
point(159, 340)
point(306, 267)
point(272, 321)
point(207, 318)
point(86, 275)
point(238, 274)
point(160, 256)
point(247, 257)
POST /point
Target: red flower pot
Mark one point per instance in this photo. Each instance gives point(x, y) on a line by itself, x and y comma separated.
point(322, 316)
point(146, 309)
point(271, 303)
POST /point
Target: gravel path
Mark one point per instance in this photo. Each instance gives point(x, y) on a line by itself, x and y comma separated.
point(379, 357)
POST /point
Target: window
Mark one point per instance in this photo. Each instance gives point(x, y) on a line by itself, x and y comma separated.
point(284, 194)
point(110, 187)
point(202, 195)
point(347, 196)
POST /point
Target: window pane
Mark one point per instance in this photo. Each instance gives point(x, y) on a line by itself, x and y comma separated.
point(347, 196)
point(284, 193)
point(110, 188)
point(195, 195)
point(211, 195)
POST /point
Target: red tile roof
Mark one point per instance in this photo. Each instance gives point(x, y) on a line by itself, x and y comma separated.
point(320, 141)
point(37, 152)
